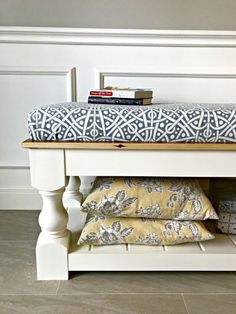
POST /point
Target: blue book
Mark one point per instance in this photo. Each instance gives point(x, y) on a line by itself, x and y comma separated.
point(119, 101)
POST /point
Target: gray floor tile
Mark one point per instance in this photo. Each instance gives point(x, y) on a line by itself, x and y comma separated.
point(19, 224)
point(90, 304)
point(211, 304)
point(100, 292)
point(149, 282)
point(18, 271)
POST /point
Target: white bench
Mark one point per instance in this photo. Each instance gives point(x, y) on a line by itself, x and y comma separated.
point(52, 163)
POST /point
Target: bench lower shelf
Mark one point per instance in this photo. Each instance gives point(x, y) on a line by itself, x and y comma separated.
point(215, 255)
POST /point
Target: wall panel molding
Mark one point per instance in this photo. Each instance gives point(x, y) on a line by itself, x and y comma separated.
point(17, 193)
point(103, 75)
point(14, 164)
point(214, 85)
point(68, 72)
point(111, 37)
point(71, 94)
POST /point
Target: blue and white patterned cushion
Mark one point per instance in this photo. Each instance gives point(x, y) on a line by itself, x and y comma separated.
point(227, 222)
point(227, 216)
point(121, 123)
point(228, 206)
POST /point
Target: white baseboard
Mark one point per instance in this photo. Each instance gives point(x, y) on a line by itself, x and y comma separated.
point(15, 189)
point(25, 198)
point(19, 198)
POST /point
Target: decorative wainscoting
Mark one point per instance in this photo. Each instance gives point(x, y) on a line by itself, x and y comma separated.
point(40, 66)
point(120, 37)
point(169, 85)
point(21, 91)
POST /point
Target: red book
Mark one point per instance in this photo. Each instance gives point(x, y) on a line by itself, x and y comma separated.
point(101, 93)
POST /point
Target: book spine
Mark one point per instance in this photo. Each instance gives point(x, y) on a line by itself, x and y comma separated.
point(114, 101)
point(113, 93)
point(101, 93)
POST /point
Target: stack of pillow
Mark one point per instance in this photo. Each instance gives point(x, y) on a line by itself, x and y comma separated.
point(151, 211)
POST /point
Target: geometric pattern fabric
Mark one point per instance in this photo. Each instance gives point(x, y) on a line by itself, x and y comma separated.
point(128, 123)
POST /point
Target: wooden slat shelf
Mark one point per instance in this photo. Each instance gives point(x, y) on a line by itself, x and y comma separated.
point(209, 255)
point(130, 146)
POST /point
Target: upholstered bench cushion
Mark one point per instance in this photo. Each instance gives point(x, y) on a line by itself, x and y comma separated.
point(119, 123)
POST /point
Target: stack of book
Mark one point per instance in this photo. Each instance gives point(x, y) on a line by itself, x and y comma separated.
point(121, 96)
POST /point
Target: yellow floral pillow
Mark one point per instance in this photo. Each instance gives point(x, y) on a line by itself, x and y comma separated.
point(163, 198)
point(101, 230)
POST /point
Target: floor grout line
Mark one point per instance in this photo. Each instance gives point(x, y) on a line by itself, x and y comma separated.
point(143, 293)
point(121, 293)
point(28, 294)
point(84, 294)
point(185, 304)
point(58, 287)
point(110, 293)
point(208, 293)
point(233, 275)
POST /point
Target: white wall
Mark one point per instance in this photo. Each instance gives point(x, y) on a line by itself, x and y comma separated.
point(149, 14)
point(33, 74)
point(34, 71)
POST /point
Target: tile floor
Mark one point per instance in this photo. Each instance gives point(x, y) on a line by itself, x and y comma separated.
point(101, 292)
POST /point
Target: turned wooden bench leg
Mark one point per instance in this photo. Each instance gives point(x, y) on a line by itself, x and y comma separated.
point(53, 241)
point(48, 176)
point(72, 196)
point(72, 199)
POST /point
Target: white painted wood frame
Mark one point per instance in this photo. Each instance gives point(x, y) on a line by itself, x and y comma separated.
point(57, 252)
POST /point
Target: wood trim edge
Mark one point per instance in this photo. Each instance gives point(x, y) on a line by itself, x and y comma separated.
point(130, 146)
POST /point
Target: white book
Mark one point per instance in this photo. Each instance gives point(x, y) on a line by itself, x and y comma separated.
point(122, 93)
